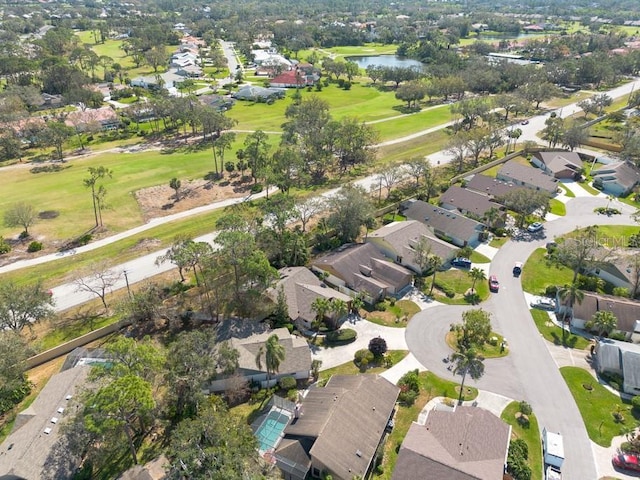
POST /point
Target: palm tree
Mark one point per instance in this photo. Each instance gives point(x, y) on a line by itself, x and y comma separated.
point(605, 322)
point(476, 274)
point(491, 216)
point(435, 263)
point(274, 354)
point(321, 306)
point(338, 309)
point(569, 294)
point(467, 361)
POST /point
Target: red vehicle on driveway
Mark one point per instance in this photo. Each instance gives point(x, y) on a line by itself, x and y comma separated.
point(494, 285)
point(626, 461)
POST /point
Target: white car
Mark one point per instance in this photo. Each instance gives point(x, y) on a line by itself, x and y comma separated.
point(534, 227)
point(543, 303)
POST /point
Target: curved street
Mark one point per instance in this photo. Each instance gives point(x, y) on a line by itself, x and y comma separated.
point(529, 371)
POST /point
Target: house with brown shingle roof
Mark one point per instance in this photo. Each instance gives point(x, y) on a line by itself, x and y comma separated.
point(466, 443)
point(559, 164)
point(626, 311)
point(301, 288)
point(529, 177)
point(338, 428)
point(467, 202)
point(398, 239)
point(361, 268)
point(445, 224)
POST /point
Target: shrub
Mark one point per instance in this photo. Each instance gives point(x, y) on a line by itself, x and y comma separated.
point(4, 246)
point(590, 283)
point(378, 346)
point(257, 188)
point(410, 381)
point(525, 408)
point(621, 292)
point(635, 401)
point(380, 306)
point(23, 235)
point(408, 397)
point(84, 239)
point(445, 288)
point(517, 460)
point(551, 290)
point(287, 383)
point(292, 395)
point(363, 354)
point(34, 247)
point(620, 336)
point(346, 335)
point(392, 302)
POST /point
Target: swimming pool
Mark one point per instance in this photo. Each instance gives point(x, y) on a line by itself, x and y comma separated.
point(270, 430)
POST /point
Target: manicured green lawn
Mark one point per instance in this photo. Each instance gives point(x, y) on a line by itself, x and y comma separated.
point(394, 315)
point(497, 242)
point(530, 434)
point(431, 386)
point(460, 281)
point(554, 334)
point(597, 406)
point(350, 368)
point(567, 192)
point(488, 350)
point(538, 274)
point(557, 207)
point(588, 188)
point(617, 233)
point(417, 147)
point(477, 257)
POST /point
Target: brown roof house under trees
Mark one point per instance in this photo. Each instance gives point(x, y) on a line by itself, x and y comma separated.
point(338, 428)
point(559, 164)
point(460, 443)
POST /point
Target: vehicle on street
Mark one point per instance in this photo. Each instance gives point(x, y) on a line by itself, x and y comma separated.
point(494, 285)
point(517, 269)
point(626, 461)
point(543, 303)
point(524, 122)
point(461, 262)
point(553, 454)
point(534, 227)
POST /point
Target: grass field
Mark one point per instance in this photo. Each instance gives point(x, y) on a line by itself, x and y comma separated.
point(350, 368)
point(557, 207)
point(597, 405)
point(529, 433)
point(538, 274)
point(554, 334)
point(396, 315)
point(460, 281)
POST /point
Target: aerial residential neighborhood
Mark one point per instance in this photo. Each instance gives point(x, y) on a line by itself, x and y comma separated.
point(330, 240)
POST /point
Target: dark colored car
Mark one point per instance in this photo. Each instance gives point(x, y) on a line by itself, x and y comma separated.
point(461, 262)
point(517, 269)
point(626, 461)
point(494, 285)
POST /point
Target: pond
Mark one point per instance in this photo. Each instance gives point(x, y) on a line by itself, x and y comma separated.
point(385, 61)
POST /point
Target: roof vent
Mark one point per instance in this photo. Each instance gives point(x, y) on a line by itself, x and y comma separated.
point(54, 420)
point(61, 409)
point(68, 397)
point(47, 430)
point(358, 453)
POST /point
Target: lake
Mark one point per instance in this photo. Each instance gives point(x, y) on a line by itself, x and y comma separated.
point(385, 61)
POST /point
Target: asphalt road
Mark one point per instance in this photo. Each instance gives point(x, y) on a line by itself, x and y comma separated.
point(528, 372)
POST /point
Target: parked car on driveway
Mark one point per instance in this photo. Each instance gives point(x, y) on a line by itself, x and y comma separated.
point(534, 227)
point(524, 122)
point(461, 262)
point(626, 461)
point(494, 285)
point(517, 269)
point(543, 303)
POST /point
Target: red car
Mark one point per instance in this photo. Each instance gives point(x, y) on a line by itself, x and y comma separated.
point(494, 285)
point(626, 461)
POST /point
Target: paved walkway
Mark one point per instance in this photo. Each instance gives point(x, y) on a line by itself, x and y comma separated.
point(489, 401)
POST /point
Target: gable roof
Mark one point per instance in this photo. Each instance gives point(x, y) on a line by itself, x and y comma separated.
point(297, 356)
point(560, 161)
point(441, 220)
point(402, 236)
point(301, 287)
point(456, 440)
point(363, 267)
point(622, 173)
point(467, 200)
point(290, 77)
point(490, 186)
point(29, 452)
point(627, 311)
point(517, 172)
point(346, 419)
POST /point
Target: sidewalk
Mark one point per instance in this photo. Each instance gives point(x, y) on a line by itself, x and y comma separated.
point(489, 401)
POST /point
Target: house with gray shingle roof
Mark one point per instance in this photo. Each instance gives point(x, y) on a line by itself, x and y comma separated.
point(445, 224)
point(338, 429)
point(617, 179)
point(361, 268)
point(398, 239)
point(468, 202)
point(490, 186)
point(296, 363)
point(525, 176)
point(35, 448)
point(626, 311)
point(559, 164)
point(301, 288)
point(622, 358)
point(453, 445)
